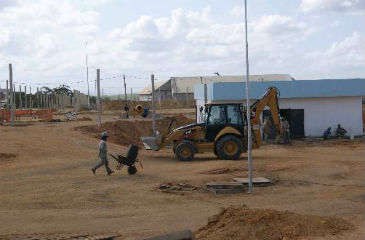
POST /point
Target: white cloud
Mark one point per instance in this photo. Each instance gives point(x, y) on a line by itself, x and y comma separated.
point(238, 12)
point(344, 58)
point(46, 40)
point(348, 6)
point(45, 35)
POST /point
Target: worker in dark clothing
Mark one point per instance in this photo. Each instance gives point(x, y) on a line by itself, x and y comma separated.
point(126, 109)
point(145, 112)
point(340, 132)
point(103, 159)
point(327, 133)
point(286, 131)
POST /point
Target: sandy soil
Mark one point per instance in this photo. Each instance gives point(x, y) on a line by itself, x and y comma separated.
point(48, 186)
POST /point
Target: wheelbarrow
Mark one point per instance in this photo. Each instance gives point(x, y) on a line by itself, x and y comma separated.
point(130, 160)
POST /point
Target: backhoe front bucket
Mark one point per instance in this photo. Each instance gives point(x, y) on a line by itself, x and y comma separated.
point(153, 142)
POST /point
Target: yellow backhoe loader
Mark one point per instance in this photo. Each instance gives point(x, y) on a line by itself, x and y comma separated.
point(223, 132)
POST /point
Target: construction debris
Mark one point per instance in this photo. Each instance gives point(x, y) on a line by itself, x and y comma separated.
point(170, 187)
point(237, 223)
point(225, 187)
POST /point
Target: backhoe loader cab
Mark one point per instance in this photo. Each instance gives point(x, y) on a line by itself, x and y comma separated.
point(220, 116)
point(222, 132)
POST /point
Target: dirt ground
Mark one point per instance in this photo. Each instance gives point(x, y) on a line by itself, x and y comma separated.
point(46, 185)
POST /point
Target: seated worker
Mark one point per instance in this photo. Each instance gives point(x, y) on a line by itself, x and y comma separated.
point(340, 132)
point(327, 133)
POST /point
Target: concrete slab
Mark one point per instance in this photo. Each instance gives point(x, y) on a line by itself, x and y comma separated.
point(256, 181)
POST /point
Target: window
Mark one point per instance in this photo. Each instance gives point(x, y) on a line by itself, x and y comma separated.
point(234, 115)
point(217, 115)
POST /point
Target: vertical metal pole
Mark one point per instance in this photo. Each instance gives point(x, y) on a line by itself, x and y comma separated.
point(87, 81)
point(30, 97)
point(98, 96)
point(11, 94)
point(7, 94)
point(20, 97)
point(153, 105)
point(26, 101)
point(37, 97)
point(125, 89)
point(14, 100)
point(249, 140)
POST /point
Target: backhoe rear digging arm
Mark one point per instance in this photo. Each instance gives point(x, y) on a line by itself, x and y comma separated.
point(269, 99)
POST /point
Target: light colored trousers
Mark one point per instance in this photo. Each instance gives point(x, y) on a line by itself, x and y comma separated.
point(101, 162)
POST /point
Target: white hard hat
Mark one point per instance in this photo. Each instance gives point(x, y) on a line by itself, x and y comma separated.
point(104, 134)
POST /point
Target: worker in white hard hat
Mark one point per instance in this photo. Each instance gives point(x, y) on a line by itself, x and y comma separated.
point(103, 151)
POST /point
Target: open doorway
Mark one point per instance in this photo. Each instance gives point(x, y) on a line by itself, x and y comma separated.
point(295, 117)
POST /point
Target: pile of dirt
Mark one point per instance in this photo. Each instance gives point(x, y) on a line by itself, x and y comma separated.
point(236, 223)
point(167, 104)
point(127, 132)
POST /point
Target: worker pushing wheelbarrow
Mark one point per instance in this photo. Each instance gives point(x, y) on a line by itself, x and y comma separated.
point(130, 160)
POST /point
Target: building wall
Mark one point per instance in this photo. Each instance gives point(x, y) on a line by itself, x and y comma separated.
point(183, 96)
point(320, 113)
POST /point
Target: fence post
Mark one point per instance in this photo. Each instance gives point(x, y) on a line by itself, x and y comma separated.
point(98, 96)
point(153, 105)
point(11, 93)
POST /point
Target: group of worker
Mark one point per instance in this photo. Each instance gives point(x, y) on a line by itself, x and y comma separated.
point(339, 133)
point(144, 114)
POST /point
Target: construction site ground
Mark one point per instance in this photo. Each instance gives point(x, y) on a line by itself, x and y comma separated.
point(46, 185)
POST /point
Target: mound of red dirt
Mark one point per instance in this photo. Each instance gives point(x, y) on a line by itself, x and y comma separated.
point(236, 223)
point(127, 132)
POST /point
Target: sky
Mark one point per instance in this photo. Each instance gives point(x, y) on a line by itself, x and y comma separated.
point(46, 40)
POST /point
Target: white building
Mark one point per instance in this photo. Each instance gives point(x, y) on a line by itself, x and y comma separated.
point(182, 88)
point(310, 106)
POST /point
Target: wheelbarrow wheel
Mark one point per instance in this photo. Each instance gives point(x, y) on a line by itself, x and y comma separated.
point(132, 170)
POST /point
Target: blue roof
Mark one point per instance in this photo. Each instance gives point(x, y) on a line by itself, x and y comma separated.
point(288, 89)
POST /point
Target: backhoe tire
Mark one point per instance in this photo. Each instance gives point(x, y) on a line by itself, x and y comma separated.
point(229, 147)
point(185, 151)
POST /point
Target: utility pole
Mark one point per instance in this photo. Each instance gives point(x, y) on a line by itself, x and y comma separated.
point(131, 94)
point(26, 101)
point(20, 97)
point(11, 93)
point(37, 98)
point(249, 140)
point(87, 80)
point(30, 97)
point(7, 94)
point(125, 88)
point(98, 96)
point(153, 105)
